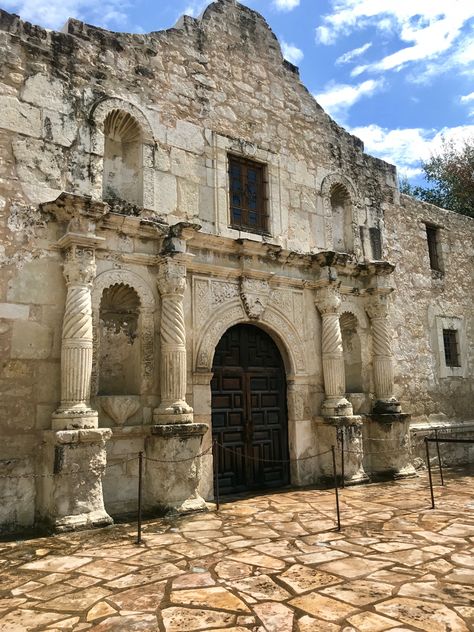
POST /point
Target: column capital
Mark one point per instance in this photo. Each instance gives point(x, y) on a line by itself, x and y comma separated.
point(171, 277)
point(328, 299)
point(377, 306)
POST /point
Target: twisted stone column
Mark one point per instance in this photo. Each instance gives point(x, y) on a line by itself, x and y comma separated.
point(328, 303)
point(76, 350)
point(383, 359)
point(173, 407)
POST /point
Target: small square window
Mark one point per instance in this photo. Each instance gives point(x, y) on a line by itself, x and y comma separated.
point(432, 235)
point(248, 204)
point(451, 347)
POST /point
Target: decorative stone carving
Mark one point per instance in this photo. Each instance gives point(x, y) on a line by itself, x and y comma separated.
point(120, 407)
point(173, 407)
point(382, 356)
point(76, 348)
point(255, 294)
point(223, 291)
point(328, 302)
point(327, 184)
point(216, 329)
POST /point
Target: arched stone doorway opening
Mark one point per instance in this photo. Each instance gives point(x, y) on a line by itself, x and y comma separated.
point(249, 411)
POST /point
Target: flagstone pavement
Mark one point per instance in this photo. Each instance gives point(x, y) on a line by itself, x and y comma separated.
point(271, 563)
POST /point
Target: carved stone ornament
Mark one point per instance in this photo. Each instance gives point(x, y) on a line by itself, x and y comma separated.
point(79, 265)
point(171, 278)
point(255, 294)
point(328, 299)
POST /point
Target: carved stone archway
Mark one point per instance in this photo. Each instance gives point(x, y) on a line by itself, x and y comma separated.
point(147, 309)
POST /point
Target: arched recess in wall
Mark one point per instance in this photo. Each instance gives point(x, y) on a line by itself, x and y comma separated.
point(351, 346)
point(123, 308)
point(341, 214)
point(122, 138)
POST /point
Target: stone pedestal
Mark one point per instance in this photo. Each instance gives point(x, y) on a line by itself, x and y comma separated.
point(388, 446)
point(173, 407)
point(74, 465)
point(335, 404)
point(347, 436)
point(173, 468)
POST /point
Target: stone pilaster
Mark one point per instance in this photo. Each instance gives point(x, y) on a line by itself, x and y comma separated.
point(328, 302)
point(171, 285)
point(74, 411)
point(382, 356)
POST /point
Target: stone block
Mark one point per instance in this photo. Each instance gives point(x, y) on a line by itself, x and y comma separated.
point(20, 117)
point(14, 312)
point(166, 193)
point(31, 340)
point(46, 92)
point(186, 136)
point(40, 282)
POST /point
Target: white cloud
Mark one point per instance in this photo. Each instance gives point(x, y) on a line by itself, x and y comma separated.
point(352, 54)
point(337, 98)
point(286, 5)
point(292, 53)
point(407, 147)
point(467, 98)
point(54, 13)
point(429, 28)
point(196, 7)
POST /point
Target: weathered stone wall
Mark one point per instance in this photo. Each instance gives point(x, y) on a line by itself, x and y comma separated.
point(421, 299)
point(199, 91)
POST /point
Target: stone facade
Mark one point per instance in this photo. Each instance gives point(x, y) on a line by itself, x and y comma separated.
point(121, 269)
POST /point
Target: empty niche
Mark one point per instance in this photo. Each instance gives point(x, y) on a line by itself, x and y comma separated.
point(352, 353)
point(123, 158)
point(119, 355)
point(341, 208)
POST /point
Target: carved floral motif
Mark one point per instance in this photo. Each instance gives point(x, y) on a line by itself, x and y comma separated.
point(255, 294)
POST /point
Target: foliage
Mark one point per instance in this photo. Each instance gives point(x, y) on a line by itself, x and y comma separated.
point(451, 176)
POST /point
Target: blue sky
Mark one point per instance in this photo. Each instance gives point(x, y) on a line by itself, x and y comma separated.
point(397, 73)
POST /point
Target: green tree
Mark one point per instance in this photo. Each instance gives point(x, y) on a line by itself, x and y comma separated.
point(450, 174)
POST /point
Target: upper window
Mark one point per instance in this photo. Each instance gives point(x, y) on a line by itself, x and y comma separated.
point(248, 203)
point(432, 236)
point(451, 347)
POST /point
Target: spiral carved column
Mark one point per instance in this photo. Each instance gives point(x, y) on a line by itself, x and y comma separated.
point(76, 350)
point(383, 360)
point(328, 303)
point(173, 407)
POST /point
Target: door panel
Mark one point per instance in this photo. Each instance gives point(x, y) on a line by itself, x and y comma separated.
point(249, 411)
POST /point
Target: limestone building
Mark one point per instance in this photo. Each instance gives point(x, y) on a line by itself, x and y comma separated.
point(192, 249)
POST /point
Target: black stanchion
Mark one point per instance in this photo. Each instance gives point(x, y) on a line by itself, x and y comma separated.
point(140, 478)
point(335, 488)
point(216, 474)
point(343, 473)
point(439, 458)
point(429, 472)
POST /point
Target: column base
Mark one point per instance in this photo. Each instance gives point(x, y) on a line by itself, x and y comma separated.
point(389, 453)
point(387, 406)
point(350, 428)
point(175, 413)
point(173, 468)
point(74, 419)
point(71, 495)
point(336, 407)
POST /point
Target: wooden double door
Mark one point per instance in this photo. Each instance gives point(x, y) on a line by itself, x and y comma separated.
point(249, 414)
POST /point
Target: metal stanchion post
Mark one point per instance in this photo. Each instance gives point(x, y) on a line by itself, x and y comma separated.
point(429, 472)
point(216, 474)
point(335, 487)
point(140, 478)
point(342, 459)
point(439, 458)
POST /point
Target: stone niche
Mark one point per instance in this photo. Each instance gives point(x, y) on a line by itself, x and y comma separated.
point(123, 157)
point(351, 346)
point(342, 219)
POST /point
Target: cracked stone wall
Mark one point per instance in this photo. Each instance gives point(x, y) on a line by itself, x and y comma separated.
point(197, 92)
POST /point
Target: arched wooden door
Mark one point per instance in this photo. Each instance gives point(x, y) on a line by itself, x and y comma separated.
point(249, 415)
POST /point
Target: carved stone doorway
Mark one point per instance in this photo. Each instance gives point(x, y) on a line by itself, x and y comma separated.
point(249, 414)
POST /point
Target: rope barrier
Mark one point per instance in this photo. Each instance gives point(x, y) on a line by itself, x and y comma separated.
point(191, 458)
point(255, 458)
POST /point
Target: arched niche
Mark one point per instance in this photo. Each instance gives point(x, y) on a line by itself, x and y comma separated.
point(123, 141)
point(341, 208)
point(123, 159)
point(341, 211)
point(351, 346)
point(119, 356)
point(122, 294)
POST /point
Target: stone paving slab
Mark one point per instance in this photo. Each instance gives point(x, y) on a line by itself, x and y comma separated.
point(270, 563)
